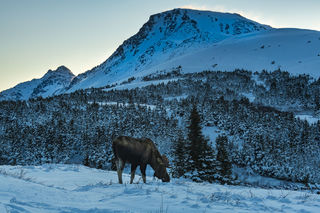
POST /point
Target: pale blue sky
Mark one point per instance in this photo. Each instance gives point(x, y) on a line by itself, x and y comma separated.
point(38, 35)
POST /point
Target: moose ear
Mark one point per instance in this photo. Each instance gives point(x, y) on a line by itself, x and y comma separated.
point(165, 161)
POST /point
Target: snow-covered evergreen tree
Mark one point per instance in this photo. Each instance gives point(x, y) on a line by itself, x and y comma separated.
point(224, 166)
point(200, 164)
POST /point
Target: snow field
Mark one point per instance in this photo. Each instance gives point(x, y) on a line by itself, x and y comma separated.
point(74, 188)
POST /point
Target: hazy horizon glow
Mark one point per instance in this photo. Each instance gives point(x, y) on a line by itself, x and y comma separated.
point(39, 35)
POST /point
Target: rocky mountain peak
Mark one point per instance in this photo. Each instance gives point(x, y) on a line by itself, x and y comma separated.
point(60, 71)
point(164, 36)
point(52, 82)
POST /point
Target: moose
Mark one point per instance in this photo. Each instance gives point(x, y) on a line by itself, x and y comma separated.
point(139, 152)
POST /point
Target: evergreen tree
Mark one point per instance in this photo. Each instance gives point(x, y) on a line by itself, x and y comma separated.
point(195, 138)
point(179, 156)
point(224, 165)
point(200, 166)
point(207, 162)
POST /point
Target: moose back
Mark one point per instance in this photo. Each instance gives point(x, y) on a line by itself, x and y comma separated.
point(139, 152)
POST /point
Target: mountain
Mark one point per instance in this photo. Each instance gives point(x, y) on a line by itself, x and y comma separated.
point(50, 84)
point(163, 38)
point(195, 41)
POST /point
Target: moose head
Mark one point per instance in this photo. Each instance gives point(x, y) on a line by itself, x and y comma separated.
point(160, 170)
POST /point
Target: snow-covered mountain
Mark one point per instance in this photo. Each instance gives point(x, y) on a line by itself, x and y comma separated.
point(204, 40)
point(163, 38)
point(196, 41)
point(50, 84)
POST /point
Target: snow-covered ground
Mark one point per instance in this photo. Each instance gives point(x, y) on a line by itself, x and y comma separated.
point(73, 188)
point(212, 132)
point(311, 119)
point(293, 50)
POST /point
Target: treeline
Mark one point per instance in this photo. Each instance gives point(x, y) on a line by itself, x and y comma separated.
point(64, 130)
point(79, 127)
point(278, 89)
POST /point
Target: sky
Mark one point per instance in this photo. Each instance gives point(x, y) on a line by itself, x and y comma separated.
point(38, 35)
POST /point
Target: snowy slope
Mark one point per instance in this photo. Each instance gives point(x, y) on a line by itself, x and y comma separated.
point(71, 188)
point(164, 37)
point(48, 85)
point(293, 50)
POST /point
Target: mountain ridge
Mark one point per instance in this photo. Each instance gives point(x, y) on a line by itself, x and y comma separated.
point(48, 85)
point(168, 33)
point(196, 41)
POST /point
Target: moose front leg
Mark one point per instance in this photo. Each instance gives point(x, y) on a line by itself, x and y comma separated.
point(143, 172)
point(133, 171)
point(120, 166)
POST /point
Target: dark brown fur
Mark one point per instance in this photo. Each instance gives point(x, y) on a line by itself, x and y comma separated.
point(139, 152)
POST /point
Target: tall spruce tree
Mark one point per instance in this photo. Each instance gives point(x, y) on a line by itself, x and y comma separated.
point(200, 163)
point(224, 165)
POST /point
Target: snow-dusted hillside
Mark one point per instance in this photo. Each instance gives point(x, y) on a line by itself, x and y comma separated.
point(72, 188)
point(293, 50)
point(48, 85)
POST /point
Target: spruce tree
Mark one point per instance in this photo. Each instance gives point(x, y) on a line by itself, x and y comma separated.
point(179, 157)
point(200, 166)
point(224, 165)
point(195, 138)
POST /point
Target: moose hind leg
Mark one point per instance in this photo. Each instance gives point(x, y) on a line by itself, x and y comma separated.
point(143, 172)
point(133, 171)
point(120, 166)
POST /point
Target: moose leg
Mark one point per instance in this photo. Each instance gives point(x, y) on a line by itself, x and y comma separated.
point(120, 166)
point(143, 172)
point(133, 171)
